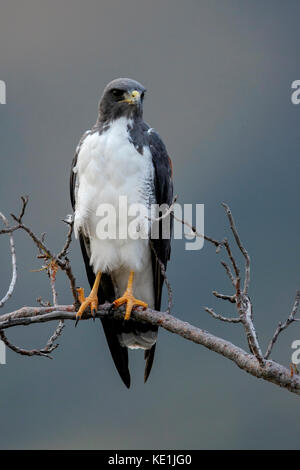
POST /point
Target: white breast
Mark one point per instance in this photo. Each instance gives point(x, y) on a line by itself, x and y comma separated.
point(108, 167)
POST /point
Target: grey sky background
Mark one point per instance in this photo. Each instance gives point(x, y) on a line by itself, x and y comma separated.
point(218, 76)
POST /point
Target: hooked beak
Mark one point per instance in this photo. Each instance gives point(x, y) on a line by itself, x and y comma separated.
point(132, 98)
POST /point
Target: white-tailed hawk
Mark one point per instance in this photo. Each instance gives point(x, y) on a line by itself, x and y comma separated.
point(122, 156)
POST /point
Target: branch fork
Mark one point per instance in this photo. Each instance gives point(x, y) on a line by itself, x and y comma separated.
point(253, 362)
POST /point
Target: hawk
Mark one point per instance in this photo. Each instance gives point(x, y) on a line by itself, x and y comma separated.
point(121, 156)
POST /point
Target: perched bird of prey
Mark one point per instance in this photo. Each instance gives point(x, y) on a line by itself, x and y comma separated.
point(121, 156)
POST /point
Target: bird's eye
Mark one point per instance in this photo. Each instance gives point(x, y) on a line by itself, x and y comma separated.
point(118, 94)
point(142, 95)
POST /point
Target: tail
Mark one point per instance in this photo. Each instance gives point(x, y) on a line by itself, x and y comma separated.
point(149, 356)
point(121, 335)
point(119, 353)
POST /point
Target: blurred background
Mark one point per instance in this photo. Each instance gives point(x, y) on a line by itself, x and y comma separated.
point(219, 79)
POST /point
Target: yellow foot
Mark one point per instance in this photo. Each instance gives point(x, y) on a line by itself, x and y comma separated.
point(90, 301)
point(131, 302)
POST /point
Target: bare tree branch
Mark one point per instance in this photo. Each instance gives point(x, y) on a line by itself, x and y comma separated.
point(61, 259)
point(50, 346)
point(253, 363)
point(270, 370)
point(240, 297)
point(52, 275)
point(45, 352)
point(13, 262)
point(216, 243)
point(230, 298)
point(241, 247)
point(228, 271)
point(246, 313)
point(283, 326)
point(69, 221)
point(220, 317)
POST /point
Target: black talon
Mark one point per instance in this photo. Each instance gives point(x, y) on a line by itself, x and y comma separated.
point(111, 308)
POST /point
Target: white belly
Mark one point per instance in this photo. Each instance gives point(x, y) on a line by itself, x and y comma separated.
point(109, 167)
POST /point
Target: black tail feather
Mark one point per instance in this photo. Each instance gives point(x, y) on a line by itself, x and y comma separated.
point(118, 352)
point(149, 356)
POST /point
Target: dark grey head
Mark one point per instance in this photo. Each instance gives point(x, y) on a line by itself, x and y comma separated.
point(121, 97)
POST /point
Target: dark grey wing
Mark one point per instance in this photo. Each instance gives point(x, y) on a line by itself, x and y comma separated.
point(163, 189)
point(106, 290)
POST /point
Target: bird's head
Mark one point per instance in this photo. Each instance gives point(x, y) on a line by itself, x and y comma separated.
point(121, 97)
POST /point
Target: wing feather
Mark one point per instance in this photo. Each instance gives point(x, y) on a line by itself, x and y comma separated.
point(163, 188)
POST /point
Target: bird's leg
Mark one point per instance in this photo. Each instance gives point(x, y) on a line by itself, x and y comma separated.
point(91, 300)
point(129, 299)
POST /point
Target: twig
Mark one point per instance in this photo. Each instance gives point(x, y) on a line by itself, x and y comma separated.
point(233, 263)
point(282, 326)
point(13, 262)
point(230, 298)
point(61, 260)
point(25, 200)
point(214, 242)
point(246, 314)
point(45, 352)
point(240, 297)
point(66, 267)
point(52, 275)
point(228, 271)
point(220, 317)
point(38, 242)
point(69, 221)
point(58, 331)
point(241, 247)
point(42, 303)
point(166, 214)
